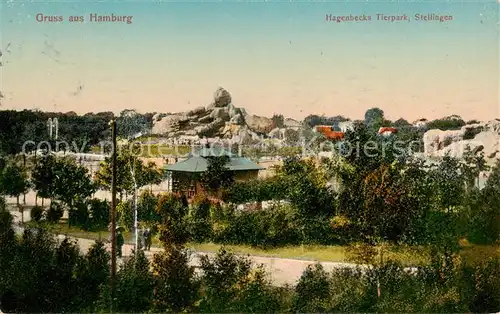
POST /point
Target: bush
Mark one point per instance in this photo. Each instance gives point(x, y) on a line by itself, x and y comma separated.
point(79, 216)
point(36, 213)
point(262, 228)
point(134, 286)
point(200, 225)
point(486, 292)
point(174, 227)
point(448, 123)
point(55, 212)
point(230, 285)
point(146, 208)
point(125, 214)
point(471, 133)
point(99, 213)
point(312, 291)
point(176, 287)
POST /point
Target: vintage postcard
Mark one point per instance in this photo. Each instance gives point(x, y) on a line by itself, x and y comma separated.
point(350, 147)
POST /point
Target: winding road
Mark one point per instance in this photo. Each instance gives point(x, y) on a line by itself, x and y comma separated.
point(282, 271)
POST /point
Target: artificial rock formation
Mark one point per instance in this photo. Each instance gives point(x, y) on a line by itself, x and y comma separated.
point(219, 119)
point(479, 137)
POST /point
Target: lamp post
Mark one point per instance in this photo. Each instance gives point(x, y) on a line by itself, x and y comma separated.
point(136, 231)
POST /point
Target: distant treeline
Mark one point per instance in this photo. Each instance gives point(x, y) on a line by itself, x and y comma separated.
point(82, 131)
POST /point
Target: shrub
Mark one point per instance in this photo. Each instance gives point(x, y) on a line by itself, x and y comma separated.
point(125, 214)
point(79, 216)
point(486, 283)
point(99, 213)
point(55, 212)
point(230, 285)
point(200, 226)
point(134, 286)
point(36, 213)
point(349, 293)
point(146, 208)
point(262, 228)
point(176, 286)
point(312, 291)
point(471, 133)
point(173, 229)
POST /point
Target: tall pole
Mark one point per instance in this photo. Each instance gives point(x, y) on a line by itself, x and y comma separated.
point(136, 231)
point(135, 218)
point(113, 214)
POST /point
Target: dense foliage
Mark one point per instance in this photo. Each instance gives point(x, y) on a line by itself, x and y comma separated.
point(367, 196)
point(25, 130)
point(39, 274)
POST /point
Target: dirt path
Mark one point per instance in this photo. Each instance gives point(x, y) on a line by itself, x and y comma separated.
point(281, 270)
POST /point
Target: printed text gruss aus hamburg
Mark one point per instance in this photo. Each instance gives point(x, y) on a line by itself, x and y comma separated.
point(430, 17)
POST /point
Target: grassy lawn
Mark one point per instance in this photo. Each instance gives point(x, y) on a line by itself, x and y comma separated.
point(156, 150)
point(405, 254)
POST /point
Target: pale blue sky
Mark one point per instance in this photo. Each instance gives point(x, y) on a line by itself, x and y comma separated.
point(272, 57)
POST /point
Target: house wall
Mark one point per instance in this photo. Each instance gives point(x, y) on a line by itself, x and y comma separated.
point(198, 188)
point(246, 175)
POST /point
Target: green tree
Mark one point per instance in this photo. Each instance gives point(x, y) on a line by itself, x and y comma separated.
point(146, 208)
point(217, 176)
point(176, 285)
point(312, 291)
point(134, 286)
point(230, 285)
point(174, 224)
point(200, 226)
point(151, 175)
point(14, 183)
point(72, 182)
point(472, 166)
point(99, 213)
point(306, 187)
point(389, 210)
point(130, 170)
point(62, 179)
point(449, 184)
point(374, 118)
point(130, 123)
point(91, 272)
point(43, 176)
point(482, 215)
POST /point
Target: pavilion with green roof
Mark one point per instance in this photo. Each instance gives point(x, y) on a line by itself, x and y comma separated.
point(184, 174)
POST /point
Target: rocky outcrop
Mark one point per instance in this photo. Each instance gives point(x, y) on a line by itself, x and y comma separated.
point(259, 124)
point(170, 124)
point(221, 119)
point(479, 137)
point(293, 124)
point(201, 121)
point(222, 98)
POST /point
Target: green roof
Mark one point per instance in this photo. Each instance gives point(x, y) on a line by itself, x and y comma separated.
point(200, 164)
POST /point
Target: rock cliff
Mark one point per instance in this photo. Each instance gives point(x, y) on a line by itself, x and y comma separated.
point(219, 119)
point(480, 137)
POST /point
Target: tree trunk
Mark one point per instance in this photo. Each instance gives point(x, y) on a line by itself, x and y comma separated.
point(21, 210)
point(36, 199)
point(42, 201)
